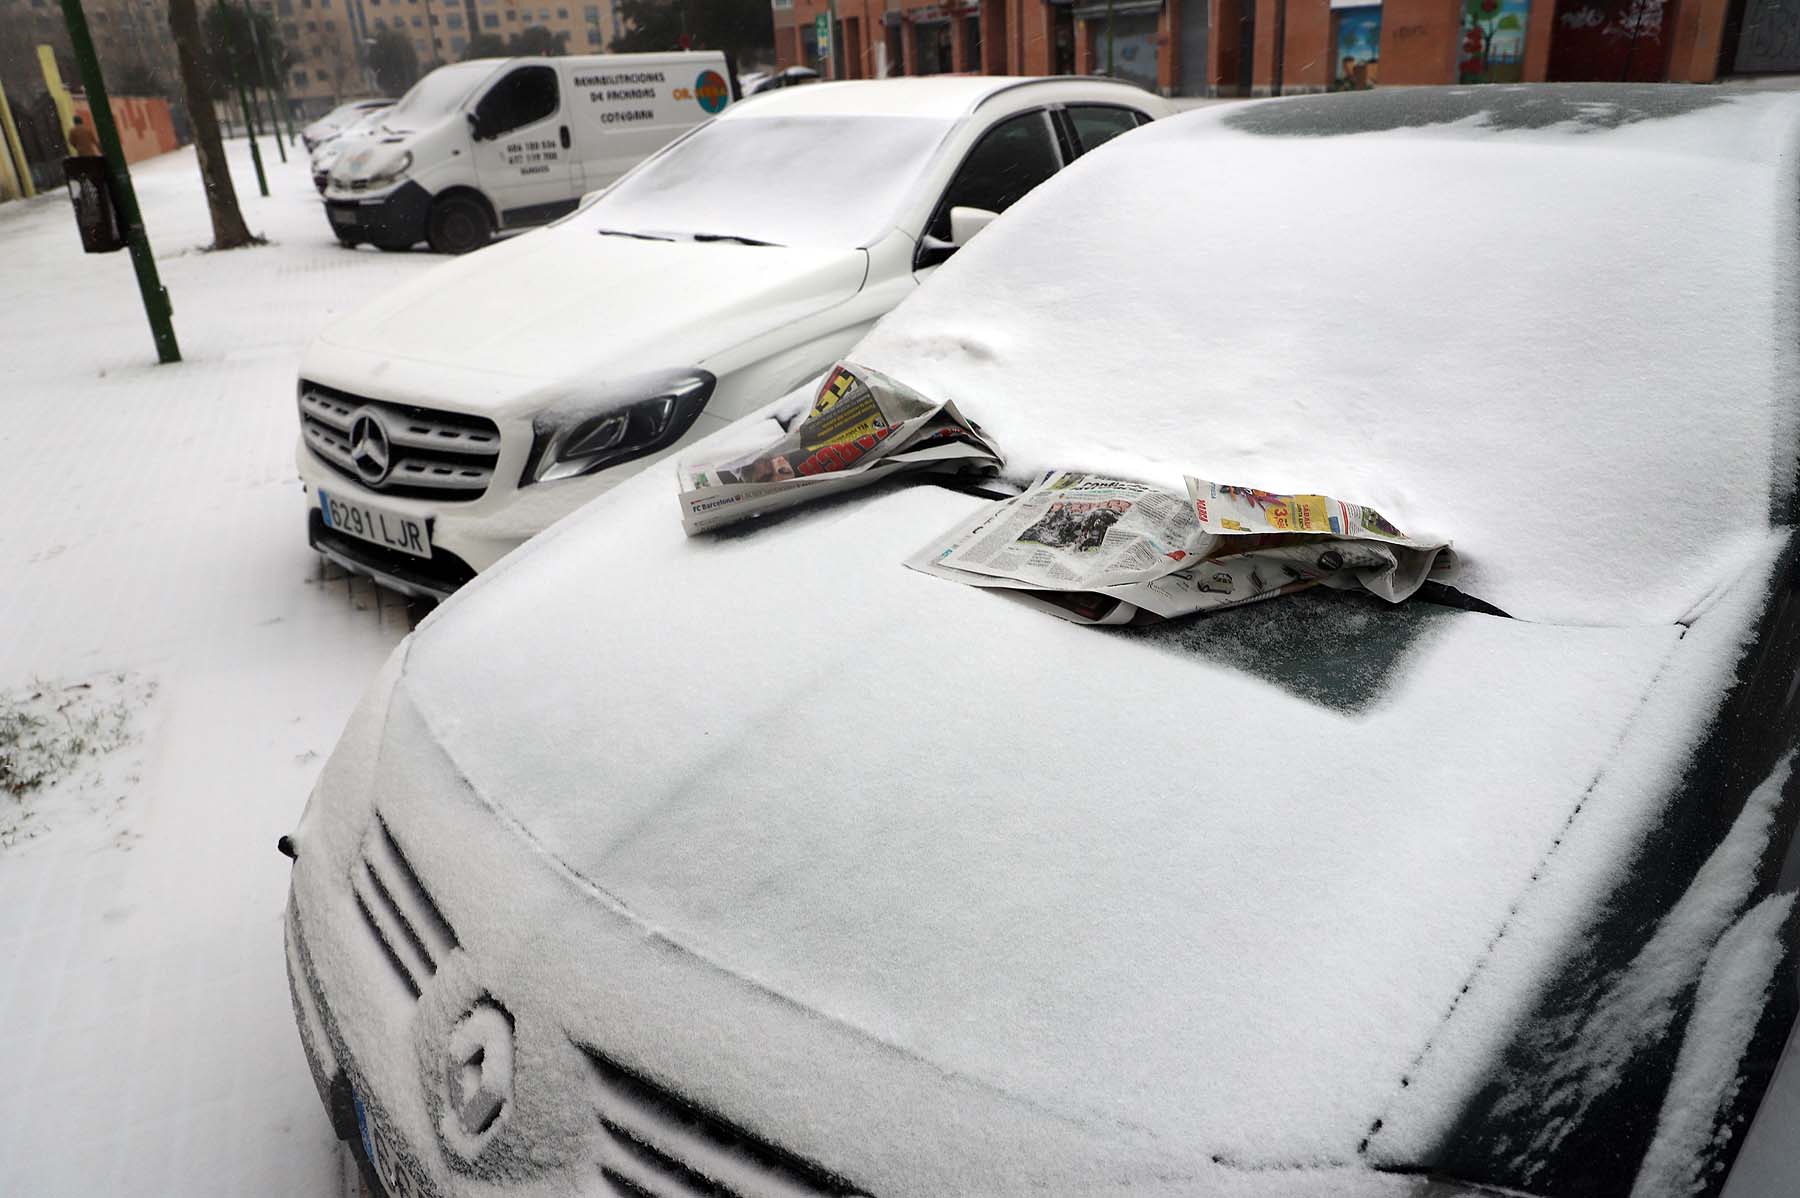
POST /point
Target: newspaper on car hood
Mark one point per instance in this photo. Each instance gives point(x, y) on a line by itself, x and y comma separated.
point(862, 427)
point(1098, 549)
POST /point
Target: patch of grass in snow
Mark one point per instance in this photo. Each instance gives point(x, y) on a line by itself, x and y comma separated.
point(51, 734)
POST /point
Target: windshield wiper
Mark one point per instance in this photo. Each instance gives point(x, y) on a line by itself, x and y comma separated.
point(639, 236)
point(732, 237)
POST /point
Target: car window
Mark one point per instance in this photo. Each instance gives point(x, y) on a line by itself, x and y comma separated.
point(1011, 159)
point(524, 97)
point(1097, 124)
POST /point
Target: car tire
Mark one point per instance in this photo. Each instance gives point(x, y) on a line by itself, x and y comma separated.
point(459, 224)
point(349, 243)
point(394, 247)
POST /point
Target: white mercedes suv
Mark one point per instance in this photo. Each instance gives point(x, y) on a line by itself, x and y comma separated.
point(451, 419)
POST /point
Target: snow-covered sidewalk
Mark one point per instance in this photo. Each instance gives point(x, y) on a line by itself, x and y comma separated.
point(152, 548)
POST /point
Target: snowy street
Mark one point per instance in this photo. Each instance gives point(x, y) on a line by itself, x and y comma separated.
point(155, 571)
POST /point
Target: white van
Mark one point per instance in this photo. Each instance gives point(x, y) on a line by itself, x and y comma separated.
point(495, 143)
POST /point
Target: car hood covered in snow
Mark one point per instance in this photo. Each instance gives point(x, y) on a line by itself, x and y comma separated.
point(1196, 898)
point(569, 304)
point(956, 897)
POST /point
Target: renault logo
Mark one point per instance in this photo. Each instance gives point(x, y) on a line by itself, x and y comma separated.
point(369, 449)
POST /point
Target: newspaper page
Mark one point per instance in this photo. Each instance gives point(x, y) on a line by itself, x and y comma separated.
point(861, 426)
point(1102, 550)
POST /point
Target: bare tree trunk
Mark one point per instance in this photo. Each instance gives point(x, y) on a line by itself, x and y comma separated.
point(229, 230)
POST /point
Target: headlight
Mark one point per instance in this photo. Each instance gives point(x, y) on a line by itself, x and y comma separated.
point(622, 422)
point(392, 173)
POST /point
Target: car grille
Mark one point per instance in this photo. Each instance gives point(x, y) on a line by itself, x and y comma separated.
point(659, 1145)
point(435, 455)
point(398, 909)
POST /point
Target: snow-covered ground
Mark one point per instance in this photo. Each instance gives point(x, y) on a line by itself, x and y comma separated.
point(173, 669)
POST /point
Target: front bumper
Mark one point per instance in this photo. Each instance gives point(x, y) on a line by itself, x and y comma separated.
point(395, 218)
point(466, 536)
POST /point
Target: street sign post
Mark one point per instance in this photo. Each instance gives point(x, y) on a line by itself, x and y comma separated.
point(156, 300)
point(822, 34)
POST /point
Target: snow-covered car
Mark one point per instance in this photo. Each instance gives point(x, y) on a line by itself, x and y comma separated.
point(333, 123)
point(330, 150)
point(450, 419)
point(757, 863)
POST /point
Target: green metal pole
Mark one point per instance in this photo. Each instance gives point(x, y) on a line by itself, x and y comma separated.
point(262, 68)
point(275, 124)
point(156, 300)
point(262, 180)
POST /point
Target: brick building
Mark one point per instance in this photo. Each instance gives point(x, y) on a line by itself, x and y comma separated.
point(1275, 47)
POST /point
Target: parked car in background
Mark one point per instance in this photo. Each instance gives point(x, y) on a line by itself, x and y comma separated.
point(449, 420)
point(329, 151)
point(493, 144)
point(340, 118)
point(786, 77)
point(758, 863)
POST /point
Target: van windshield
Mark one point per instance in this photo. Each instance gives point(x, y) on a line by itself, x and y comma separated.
point(821, 181)
point(435, 96)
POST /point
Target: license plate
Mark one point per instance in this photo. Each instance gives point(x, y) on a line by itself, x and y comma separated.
point(397, 1175)
point(377, 526)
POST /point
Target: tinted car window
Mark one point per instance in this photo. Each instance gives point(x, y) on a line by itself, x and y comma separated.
point(1097, 124)
point(1014, 157)
point(522, 98)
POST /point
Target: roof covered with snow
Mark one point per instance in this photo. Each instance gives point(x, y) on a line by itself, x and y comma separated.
point(1556, 324)
point(942, 96)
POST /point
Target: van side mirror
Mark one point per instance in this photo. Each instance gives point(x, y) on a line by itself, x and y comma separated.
point(475, 129)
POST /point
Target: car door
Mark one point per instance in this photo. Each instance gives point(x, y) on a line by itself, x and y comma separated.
point(522, 146)
point(1017, 154)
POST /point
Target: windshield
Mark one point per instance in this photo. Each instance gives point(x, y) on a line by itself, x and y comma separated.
point(820, 181)
point(436, 95)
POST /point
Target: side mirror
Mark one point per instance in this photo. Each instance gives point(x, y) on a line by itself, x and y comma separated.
point(966, 222)
point(475, 129)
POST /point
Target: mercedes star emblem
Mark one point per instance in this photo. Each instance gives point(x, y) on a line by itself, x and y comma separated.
point(369, 451)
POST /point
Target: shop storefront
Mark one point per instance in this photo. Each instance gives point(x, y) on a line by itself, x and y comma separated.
point(1768, 38)
point(1126, 41)
point(1613, 41)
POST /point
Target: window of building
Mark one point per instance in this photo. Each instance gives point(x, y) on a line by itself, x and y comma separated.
point(593, 35)
point(490, 20)
point(312, 27)
point(418, 21)
point(562, 14)
point(299, 78)
point(457, 44)
point(331, 27)
point(511, 15)
point(285, 7)
point(454, 20)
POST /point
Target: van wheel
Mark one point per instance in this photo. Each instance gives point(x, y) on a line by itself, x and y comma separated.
point(459, 224)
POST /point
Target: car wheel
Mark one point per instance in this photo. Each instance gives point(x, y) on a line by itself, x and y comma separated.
point(348, 242)
point(459, 224)
point(394, 247)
